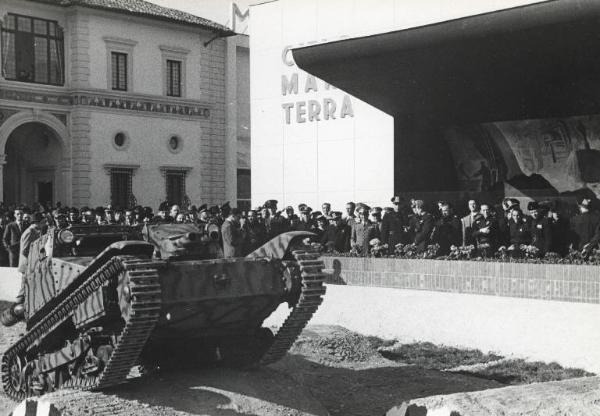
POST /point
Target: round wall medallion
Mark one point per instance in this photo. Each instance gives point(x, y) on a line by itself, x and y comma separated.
point(175, 144)
point(120, 141)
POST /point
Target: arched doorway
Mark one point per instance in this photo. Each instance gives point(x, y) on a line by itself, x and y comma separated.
point(32, 172)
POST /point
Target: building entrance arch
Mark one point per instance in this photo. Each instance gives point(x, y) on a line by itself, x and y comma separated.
point(35, 163)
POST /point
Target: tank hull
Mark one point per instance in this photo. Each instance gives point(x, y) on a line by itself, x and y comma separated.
point(90, 320)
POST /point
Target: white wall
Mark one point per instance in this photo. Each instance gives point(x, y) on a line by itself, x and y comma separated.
point(147, 56)
point(148, 138)
point(350, 158)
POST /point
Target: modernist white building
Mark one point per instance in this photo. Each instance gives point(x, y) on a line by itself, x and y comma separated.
point(465, 99)
point(118, 102)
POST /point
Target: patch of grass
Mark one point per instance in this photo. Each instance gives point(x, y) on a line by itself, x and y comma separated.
point(377, 342)
point(435, 357)
point(519, 371)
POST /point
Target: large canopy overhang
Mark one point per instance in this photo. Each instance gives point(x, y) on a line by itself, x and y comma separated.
point(535, 61)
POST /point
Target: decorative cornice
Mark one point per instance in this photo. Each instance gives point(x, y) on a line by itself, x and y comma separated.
point(119, 41)
point(167, 168)
point(100, 100)
point(174, 50)
point(108, 167)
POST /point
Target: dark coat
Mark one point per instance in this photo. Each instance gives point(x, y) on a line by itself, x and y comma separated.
point(520, 232)
point(275, 225)
point(337, 238)
point(560, 235)
point(12, 236)
point(12, 242)
point(480, 236)
point(503, 231)
point(447, 232)
point(541, 234)
point(256, 236)
point(583, 228)
point(421, 227)
point(392, 229)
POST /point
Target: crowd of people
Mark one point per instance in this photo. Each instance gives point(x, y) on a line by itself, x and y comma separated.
point(358, 229)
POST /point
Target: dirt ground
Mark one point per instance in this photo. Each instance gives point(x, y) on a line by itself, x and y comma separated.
point(328, 371)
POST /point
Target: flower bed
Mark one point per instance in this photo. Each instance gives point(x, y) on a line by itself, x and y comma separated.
point(511, 254)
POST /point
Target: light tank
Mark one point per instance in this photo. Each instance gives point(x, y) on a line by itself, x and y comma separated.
point(100, 300)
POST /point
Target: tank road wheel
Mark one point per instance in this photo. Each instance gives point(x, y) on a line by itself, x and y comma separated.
point(16, 375)
point(292, 278)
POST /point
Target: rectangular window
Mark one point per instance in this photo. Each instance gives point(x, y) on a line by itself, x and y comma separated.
point(173, 78)
point(119, 71)
point(175, 186)
point(120, 187)
point(32, 50)
point(243, 189)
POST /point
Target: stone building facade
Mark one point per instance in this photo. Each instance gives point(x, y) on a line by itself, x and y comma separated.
point(114, 102)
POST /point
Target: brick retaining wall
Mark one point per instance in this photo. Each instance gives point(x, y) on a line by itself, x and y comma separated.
point(569, 283)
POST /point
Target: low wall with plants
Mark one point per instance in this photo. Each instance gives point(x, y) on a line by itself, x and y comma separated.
point(525, 278)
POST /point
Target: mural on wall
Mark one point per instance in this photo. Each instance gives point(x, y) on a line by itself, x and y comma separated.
point(558, 155)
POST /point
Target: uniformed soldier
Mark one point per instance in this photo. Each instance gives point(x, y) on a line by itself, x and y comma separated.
point(256, 233)
point(448, 230)
point(421, 225)
point(504, 220)
point(202, 216)
point(275, 223)
point(559, 229)
point(520, 228)
point(485, 231)
point(376, 217)
point(305, 223)
point(363, 232)
point(321, 229)
point(392, 226)
point(338, 234)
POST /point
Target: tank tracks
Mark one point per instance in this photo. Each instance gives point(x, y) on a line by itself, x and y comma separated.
point(311, 296)
point(144, 312)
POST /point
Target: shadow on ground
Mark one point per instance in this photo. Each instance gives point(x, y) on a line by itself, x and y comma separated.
point(294, 386)
point(373, 391)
